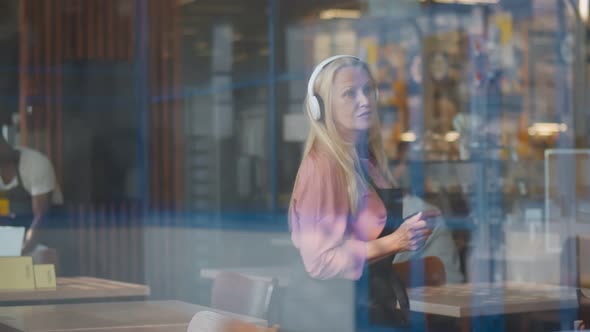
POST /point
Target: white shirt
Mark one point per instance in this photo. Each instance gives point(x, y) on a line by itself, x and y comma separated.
point(37, 174)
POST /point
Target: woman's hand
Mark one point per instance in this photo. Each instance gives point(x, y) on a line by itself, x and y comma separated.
point(412, 234)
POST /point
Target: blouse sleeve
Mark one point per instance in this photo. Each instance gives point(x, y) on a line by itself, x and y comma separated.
point(318, 217)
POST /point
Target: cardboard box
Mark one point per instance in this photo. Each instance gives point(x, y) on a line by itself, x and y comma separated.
point(44, 276)
point(16, 273)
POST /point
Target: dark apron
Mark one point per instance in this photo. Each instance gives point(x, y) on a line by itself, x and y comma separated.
point(386, 288)
point(20, 205)
point(344, 305)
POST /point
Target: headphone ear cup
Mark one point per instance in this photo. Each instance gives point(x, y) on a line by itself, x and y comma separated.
point(315, 107)
point(320, 106)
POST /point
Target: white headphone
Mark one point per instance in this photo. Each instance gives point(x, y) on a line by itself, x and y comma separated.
point(315, 101)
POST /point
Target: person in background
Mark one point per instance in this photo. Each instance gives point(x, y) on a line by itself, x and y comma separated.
point(28, 189)
point(400, 170)
point(341, 216)
point(440, 243)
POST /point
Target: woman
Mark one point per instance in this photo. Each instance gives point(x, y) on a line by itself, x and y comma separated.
point(338, 219)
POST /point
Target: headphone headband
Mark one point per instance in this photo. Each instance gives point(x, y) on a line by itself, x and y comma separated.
point(314, 102)
point(318, 69)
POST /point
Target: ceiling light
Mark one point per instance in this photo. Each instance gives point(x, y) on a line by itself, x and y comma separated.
point(452, 136)
point(339, 13)
point(408, 136)
point(546, 128)
point(583, 8)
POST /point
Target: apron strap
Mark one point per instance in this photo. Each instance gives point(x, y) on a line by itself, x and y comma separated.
point(386, 288)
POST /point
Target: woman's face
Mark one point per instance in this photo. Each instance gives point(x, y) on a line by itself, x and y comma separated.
point(353, 96)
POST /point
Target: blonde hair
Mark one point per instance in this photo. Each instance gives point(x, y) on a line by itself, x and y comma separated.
point(324, 134)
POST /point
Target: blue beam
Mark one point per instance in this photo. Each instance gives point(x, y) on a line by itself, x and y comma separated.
point(272, 121)
point(141, 68)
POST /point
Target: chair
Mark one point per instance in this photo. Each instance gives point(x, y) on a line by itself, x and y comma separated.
point(434, 271)
point(433, 275)
point(583, 248)
point(584, 306)
point(242, 295)
point(575, 272)
point(571, 275)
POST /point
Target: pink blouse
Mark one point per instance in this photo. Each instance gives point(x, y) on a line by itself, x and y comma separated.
point(332, 243)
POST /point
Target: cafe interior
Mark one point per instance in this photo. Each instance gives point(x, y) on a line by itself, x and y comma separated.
point(166, 137)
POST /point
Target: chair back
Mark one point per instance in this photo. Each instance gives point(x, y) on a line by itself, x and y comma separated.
point(575, 272)
point(583, 249)
point(240, 294)
point(434, 271)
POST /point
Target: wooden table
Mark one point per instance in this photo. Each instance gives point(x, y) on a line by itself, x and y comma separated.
point(464, 301)
point(112, 316)
point(280, 273)
point(77, 288)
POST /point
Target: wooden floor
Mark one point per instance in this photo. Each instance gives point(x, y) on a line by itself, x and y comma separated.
point(117, 316)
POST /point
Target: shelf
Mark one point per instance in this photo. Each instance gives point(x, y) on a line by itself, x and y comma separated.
point(85, 68)
point(469, 161)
